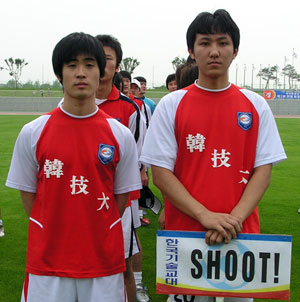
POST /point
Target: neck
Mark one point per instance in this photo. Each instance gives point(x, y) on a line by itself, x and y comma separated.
point(104, 90)
point(213, 82)
point(80, 107)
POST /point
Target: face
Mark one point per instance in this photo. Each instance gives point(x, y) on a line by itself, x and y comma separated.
point(172, 86)
point(126, 86)
point(143, 88)
point(135, 90)
point(81, 77)
point(213, 54)
point(111, 64)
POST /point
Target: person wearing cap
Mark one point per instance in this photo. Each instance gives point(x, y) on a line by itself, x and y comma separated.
point(135, 88)
point(142, 96)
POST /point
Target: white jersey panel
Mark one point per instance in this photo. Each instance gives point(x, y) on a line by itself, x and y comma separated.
point(23, 170)
point(269, 149)
point(142, 128)
point(160, 146)
point(127, 176)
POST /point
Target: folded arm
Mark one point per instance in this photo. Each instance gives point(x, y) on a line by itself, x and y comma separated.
point(254, 191)
point(227, 225)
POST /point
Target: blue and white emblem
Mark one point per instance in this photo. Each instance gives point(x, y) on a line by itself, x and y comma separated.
point(244, 120)
point(106, 153)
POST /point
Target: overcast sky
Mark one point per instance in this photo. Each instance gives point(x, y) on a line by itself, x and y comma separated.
point(151, 31)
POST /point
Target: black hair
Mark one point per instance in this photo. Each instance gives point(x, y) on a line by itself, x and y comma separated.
point(118, 81)
point(218, 22)
point(112, 42)
point(125, 74)
point(170, 78)
point(73, 45)
point(188, 74)
point(141, 79)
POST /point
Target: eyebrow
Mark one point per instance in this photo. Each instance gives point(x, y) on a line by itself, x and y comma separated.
point(87, 59)
point(219, 38)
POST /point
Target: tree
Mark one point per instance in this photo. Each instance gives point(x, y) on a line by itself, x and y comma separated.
point(129, 64)
point(290, 71)
point(178, 61)
point(15, 66)
point(267, 74)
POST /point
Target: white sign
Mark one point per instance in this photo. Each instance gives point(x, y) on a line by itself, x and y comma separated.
point(252, 266)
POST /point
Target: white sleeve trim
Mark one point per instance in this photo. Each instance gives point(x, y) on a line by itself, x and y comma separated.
point(160, 146)
point(127, 176)
point(23, 170)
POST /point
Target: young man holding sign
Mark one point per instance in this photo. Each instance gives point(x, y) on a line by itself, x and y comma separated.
point(211, 145)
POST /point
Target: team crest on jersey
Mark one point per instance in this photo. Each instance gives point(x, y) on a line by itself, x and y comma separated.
point(244, 120)
point(106, 153)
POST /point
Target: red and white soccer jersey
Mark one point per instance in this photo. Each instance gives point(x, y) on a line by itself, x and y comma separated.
point(145, 110)
point(212, 140)
point(127, 112)
point(75, 165)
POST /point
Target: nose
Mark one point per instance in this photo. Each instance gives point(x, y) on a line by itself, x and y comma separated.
point(80, 71)
point(214, 52)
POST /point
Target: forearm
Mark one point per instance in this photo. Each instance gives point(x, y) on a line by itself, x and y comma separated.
point(253, 192)
point(28, 201)
point(122, 200)
point(176, 193)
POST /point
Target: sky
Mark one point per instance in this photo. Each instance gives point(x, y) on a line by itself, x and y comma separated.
point(151, 31)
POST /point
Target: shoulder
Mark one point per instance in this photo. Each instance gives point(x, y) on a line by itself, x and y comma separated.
point(128, 102)
point(257, 100)
point(118, 129)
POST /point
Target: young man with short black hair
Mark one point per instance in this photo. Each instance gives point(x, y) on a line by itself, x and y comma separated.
point(212, 145)
point(127, 112)
point(71, 167)
point(171, 82)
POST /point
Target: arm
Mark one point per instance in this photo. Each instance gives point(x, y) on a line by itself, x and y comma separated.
point(161, 219)
point(251, 196)
point(28, 201)
point(121, 200)
point(174, 190)
point(144, 177)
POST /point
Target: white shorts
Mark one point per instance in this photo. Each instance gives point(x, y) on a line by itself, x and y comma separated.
point(58, 289)
point(130, 243)
point(186, 298)
point(135, 213)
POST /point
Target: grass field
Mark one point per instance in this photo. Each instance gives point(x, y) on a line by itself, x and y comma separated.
point(151, 93)
point(278, 211)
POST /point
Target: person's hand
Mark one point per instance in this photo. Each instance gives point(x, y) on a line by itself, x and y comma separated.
point(161, 220)
point(144, 177)
point(212, 237)
point(221, 226)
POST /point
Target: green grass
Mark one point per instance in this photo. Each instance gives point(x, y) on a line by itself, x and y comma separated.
point(278, 212)
point(29, 93)
point(151, 93)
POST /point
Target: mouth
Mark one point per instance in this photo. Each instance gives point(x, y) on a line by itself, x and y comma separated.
point(81, 85)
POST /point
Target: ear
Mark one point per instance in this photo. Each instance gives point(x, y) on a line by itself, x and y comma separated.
point(118, 68)
point(191, 53)
point(59, 79)
point(235, 53)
